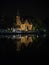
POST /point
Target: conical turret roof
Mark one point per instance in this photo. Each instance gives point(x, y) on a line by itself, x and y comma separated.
point(18, 14)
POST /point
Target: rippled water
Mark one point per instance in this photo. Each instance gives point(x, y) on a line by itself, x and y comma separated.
point(17, 47)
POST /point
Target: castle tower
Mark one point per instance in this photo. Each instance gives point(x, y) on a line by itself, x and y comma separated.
point(18, 21)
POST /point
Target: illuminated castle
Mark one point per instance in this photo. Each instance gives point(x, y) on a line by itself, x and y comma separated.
point(25, 26)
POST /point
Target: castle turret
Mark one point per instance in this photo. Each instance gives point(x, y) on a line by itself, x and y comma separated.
point(18, 15)
point(18, 21)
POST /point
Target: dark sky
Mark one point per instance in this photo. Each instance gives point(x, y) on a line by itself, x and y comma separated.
point(28, 8)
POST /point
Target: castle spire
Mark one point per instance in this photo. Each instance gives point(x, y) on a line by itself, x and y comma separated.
point(18, 14)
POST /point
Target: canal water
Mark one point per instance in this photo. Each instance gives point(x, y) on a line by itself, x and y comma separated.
point(20, 47)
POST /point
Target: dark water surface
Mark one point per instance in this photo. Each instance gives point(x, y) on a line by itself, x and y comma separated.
point(23, 47)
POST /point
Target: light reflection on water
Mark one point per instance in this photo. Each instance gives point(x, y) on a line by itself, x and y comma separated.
point(26, 40)
point(21, 40)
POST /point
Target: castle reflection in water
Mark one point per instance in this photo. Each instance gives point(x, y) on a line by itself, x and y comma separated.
point(22, 40)
point(26, 40)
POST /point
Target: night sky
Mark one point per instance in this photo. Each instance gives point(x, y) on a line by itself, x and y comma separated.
point(27, 8)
